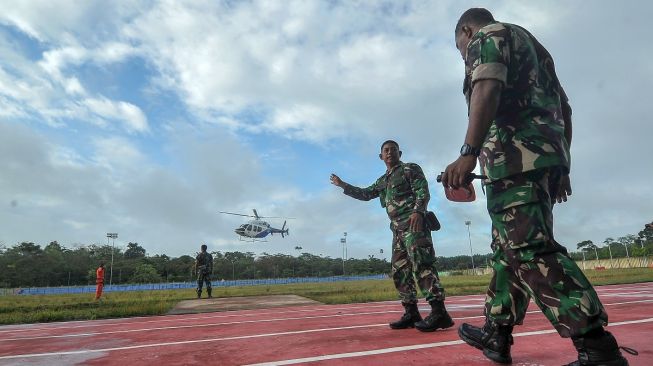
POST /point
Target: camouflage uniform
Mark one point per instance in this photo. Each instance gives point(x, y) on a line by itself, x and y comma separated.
point(402, 191)
point(204, 267)
point(525, 156)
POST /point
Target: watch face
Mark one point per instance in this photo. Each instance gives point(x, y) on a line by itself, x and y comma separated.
point(467, 149)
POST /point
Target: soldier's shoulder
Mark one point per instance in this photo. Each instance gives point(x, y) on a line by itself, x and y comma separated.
point(494, 28)
point(490, 31)
point(412, 167)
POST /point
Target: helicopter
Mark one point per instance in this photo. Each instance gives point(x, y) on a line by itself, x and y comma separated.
point(258, 229)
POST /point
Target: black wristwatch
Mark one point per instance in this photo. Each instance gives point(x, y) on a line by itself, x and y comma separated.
point(467, 149)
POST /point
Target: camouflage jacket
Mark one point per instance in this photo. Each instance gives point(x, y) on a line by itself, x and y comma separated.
point(528, 130)
point(402, 191)
point(204, 262)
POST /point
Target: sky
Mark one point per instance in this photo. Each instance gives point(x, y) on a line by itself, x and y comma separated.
point(148, 118)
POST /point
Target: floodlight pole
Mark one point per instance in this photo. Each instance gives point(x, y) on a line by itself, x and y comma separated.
point(113, 236)
point(343, 240)
point(298, 249)
point(471, 252)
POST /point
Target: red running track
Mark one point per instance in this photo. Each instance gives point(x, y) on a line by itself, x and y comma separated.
point(352, 334)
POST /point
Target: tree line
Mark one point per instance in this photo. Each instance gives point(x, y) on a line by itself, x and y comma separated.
point(639, 245)
point(28, 264)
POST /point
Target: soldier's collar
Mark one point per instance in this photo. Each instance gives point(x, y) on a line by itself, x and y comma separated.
point(389, 171)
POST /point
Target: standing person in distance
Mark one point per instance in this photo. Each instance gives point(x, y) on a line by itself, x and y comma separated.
point(99, 281)
point(204, 268)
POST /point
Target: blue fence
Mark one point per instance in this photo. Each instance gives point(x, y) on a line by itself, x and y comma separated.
point(182, 285)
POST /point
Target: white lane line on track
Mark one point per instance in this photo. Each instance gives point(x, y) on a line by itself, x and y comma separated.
point(266, 320)
point(193, 326)
point(629, 295)
point(31, 355)
point(257, 321)
point(166, 318)
point(185, 319)
point(212, 324)
point(181, 318)
point(243, 313)
point(624, 289)
point(412, 347)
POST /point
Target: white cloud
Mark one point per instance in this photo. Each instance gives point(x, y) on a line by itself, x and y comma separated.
point(132, 117)
point(349, 74)
point(117, 153)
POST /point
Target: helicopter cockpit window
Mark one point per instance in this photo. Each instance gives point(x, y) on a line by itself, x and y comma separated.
point(258, 229)
point(249, 227)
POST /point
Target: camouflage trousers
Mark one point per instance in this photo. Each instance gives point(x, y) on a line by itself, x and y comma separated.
point(413, 266)
point(201, 279)
point(528, 263)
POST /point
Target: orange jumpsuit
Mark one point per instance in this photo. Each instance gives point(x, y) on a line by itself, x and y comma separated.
point(99, 274)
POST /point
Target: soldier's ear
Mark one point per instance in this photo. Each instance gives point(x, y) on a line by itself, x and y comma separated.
point(467, 30)
point(399, 153)
point(380, 156)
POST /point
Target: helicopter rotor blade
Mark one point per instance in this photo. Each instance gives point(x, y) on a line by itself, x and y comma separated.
point(277, 217)
point(256, 216)
point(270, 217)
point(235, 214)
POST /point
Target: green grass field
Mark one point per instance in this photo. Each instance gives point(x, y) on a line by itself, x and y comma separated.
point(48, 308)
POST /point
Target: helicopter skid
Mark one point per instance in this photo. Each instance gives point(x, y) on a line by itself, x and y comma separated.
point(251, 240)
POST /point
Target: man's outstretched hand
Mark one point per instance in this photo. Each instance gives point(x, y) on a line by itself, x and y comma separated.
point(336, 181)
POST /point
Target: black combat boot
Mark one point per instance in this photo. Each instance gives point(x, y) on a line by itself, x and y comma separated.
point(437, 319)
point(208, 291)
point(599, 349)
point(410, 317)
point(199, 293)
point(494, 340)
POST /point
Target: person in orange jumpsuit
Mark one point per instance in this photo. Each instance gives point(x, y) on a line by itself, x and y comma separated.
point(99, 280)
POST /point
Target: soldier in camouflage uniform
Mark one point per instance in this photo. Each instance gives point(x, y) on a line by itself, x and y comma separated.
point(403, 191)
point(204, 268)
point(520, 130)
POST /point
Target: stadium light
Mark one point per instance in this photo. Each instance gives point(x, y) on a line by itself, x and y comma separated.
point(113, 236)
point(343, 240)
point(471, 252)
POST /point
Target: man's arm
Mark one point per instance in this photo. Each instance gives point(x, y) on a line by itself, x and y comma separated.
point(363, 194)
point(566, 116)
point(484, 102)
point(420, 187)
point(565, 185)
